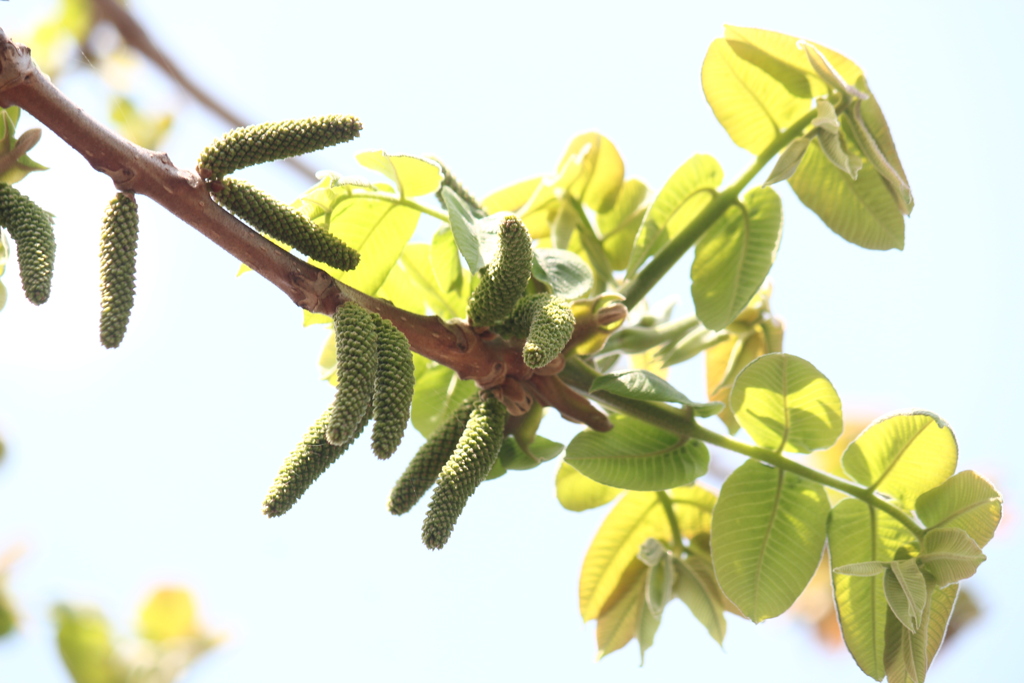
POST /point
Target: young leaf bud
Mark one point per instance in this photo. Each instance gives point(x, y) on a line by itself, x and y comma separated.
point(429, 459)
point(119, 238)
point(356, 341)
point(251, 145)
point(32, 230)
point(473, 458)
point(309, 460)
point(503, 281)
point(547, 322)
point(392, 392)
point(280, 222)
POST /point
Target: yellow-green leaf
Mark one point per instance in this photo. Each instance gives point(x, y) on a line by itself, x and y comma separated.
point(444, 261)
point(513, 197)
point(733, 258)
point(599, 177)
point(749, 101)
point(858, 533)
point(412, 176)
point(438, 393)
point(636, 456)
point(697, 587)
point(619, 620)
point(784, 403)
point(905, 592)
point(903, 456)
point(577, 492)
point(767, 535)
point(965, 501)
point(87, 645)
point(420, 281)
point(949, 555)
point(909, 655)
point(619, 224)
point(169, 613)
point(861, 211)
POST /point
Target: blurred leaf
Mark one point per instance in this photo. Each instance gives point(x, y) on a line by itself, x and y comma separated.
point(513, 197)
point(57, 39)
point(965, 501)
point(861, 211)
point(619, 224)
point(723, 362)
point(619, 620)
point(168, 614)
point(768, 532)
point(8, 616)
point(14, 161)
point(743, 88)
point(578, 492)
point(905, 592)
point(144, 129)
point(784, 403)
point(637, 456)
point(444, 261)
point(733, 258)
point(567, 274)
point(949, 555)
point(402, 286)
point(903, 456)
point(649, 623)
point(597, 181)
point(646, 386)
point(697, 587)
point(858, 533)
point(412, 176)
point(685, 194)
point(438, 393)
point(86, 645)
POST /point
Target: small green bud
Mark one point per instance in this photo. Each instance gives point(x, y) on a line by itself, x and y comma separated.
point(119, 238)
point(356, 341)
point(307, 462)
point(282, 223)
point(473, 458)
point(547, 323)
point(32, 230)
point(424, 467)
point(252, 145)
point(503, 281)
point(392, 392)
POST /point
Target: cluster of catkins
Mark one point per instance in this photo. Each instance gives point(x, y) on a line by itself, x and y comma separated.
point(375, 376)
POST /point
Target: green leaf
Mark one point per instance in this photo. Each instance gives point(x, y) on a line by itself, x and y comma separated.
point(965, 501)
point(146, 129)
point(862, 569)
point(696, 586)
point(87, 645)
point(788, 161)
point(439, 392)
point(685, 194)
point(444, 261)
point(646, 386)
point(638, 516)
point(637, 456)
point(767, 536)
point(412, 176)
point(903, 455)
point(949, 555)
point(784, 403)
point(905, 592)
point(567, 274)
point(464, 229)
point(618, 225)
point(733, 258)
point(745, 93)
point(649, 623)
point(908, 655)
point(597, 171)
point(577, 492)
point(861, 211)
point(619, 620)
point(878, 131)
point(858, 533)
point(516, 455)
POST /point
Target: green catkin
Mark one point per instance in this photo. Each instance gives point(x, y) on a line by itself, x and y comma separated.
point(276, 220)
point(424, 467)
point(252, 145)
point(356, 339)
point(119, 238)
point(468, 465)
point(311, 458)
point(503, 281)
point(32, 231)
point(546, 322)
point(392, 392)
point(449, 181)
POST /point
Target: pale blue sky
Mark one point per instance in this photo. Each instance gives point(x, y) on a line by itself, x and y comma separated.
point(147, 465)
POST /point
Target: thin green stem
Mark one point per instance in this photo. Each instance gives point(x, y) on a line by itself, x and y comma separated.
point(677, 535)
point(579, 375)
point(659, 266)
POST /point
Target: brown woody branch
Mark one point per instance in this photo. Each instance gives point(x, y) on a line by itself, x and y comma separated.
point(489, 361)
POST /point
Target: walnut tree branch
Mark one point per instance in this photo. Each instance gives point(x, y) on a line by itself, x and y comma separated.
point(134, 169)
